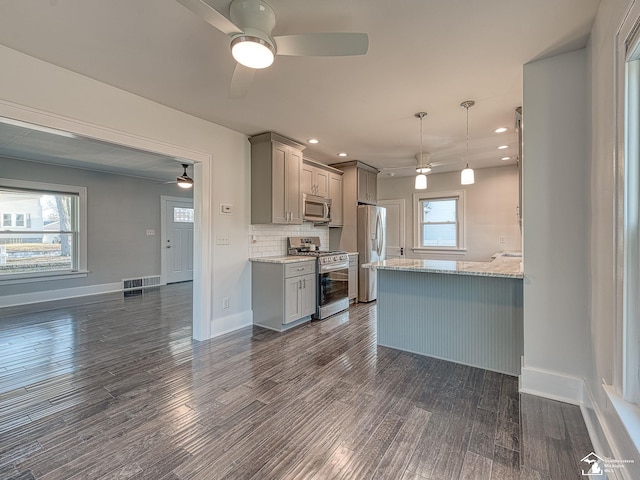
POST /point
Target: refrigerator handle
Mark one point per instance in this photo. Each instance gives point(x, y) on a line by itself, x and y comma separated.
point(378, 236)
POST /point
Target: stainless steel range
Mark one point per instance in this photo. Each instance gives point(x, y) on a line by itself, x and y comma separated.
point(332, 275)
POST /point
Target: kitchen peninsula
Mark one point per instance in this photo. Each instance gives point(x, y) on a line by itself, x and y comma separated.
point(466, 312)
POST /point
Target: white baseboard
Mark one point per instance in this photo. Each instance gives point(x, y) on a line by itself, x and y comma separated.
point(60, 294)
point(222, 325)
point(553, 385)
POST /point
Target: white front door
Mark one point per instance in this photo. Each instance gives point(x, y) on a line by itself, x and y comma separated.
point(395, 227)
point(178, 247)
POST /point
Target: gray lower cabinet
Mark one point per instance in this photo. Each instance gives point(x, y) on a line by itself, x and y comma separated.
point(353, 277)
point(283, 294)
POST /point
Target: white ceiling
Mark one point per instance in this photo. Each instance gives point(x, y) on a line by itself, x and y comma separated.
point(424, 55)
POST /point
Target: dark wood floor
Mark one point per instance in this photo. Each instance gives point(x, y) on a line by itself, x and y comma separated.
point(117, 389)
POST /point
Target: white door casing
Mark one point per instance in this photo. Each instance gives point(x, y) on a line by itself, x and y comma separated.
point(396, 247)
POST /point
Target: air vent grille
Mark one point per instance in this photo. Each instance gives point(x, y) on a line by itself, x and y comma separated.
point(140, 283)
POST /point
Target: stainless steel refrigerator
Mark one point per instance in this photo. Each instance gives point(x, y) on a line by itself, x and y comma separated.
point(372, 222)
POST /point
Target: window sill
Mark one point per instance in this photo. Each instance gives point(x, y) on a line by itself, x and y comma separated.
point(454, 252)
point(42, 277)
point(628, 413)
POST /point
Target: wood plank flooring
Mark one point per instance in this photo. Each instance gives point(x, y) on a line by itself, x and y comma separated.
point(117, 389)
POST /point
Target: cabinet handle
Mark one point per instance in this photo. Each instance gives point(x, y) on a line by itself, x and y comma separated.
point(299, 284)
point(300, 269)
point(304, 283)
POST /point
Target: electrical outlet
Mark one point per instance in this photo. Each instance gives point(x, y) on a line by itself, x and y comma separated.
point(503, 240)
point(226, 302)
point(222, 239)
point(151, 232)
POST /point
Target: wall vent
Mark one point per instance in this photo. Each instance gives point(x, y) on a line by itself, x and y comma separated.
point(140, 283)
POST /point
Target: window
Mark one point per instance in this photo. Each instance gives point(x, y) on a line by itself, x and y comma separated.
point(439, 221)
point(48, 237)
point(182, 215)
point(6, 220)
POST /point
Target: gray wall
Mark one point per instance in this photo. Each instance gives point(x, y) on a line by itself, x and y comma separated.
point(490, 208)
point(119, 211)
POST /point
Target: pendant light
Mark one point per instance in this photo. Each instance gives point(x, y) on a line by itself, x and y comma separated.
point(466, 176)
point(184, 180)
point(421, 178)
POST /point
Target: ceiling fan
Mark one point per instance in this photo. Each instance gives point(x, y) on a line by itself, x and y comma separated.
point(423, 164)
point(184, 180)
point(250, 25)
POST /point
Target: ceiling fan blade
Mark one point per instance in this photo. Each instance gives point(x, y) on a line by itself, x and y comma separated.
point(404, 167)
point(322, 44)
point(442, 164)
point(241, 81)
point(211, 16)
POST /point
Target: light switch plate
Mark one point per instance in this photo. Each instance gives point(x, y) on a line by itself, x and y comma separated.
point(226, 209)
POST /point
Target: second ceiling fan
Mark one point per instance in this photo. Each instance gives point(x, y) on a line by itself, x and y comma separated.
point(250, 25)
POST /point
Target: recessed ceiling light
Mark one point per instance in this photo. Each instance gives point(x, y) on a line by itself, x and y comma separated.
point(502, 147)
point(505, 158)
point(313, 140)
point(342, 154)
point(500, 130)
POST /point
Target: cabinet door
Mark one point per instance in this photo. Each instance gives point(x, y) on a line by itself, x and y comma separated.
point(362, 185)
point(293, 195)
point(279, 168)
point(308, 295)
point(353, 283)
point(372, 186)
point(306, 179)
point(321, 182)
point(292, 299)
point(335, 194)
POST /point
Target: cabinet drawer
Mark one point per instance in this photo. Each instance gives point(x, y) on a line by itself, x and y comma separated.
point(353, 260)
point(299, 268)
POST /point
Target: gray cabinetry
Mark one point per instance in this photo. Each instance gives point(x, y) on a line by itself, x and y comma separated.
point(314, 180)
point(335, 194)
point(353, 277)
point(367, 186)
point(283, 295)
point(276, 162)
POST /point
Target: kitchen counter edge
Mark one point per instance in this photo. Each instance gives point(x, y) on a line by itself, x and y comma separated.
point(283, 259)
point(479, 269)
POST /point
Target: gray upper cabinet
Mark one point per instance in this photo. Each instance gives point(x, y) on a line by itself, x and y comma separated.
point(320, 179)
point(314, 180)
point(367, 186)
point(335, 194)
point(276, 164)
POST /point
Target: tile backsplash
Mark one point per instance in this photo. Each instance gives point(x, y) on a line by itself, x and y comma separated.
point(271, 240)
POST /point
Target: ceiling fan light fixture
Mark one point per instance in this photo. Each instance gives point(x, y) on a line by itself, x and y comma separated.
point(423, 170)
point(421, 182)
point(252, 52)
point(184, 180)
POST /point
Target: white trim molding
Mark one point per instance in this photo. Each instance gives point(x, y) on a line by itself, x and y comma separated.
point(553, 385)
point(59, 294)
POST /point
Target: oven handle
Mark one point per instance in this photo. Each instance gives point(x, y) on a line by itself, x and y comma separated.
point(334, 266)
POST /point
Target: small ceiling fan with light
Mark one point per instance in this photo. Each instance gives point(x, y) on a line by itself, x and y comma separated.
point(423, 165)
point(250, 24)
point(184, 180)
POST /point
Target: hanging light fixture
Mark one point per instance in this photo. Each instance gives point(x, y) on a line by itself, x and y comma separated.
point(421, 178)
point(466, 176)
point(184, 180)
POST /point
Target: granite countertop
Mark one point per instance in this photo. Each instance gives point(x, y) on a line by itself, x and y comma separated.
point(496, 268)
point(283, 259)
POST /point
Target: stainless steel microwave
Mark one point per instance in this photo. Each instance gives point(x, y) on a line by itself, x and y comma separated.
point(316, 209)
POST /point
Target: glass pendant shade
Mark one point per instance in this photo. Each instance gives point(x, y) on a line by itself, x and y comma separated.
point(184, 180)
point(252, 52)
point(421, 182)
point(466, 176)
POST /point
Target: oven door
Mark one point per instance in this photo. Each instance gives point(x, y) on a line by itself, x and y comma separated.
point(334, 286)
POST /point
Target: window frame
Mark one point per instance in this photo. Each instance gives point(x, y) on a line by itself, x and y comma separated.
point(80, 242)
point(418, 198)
